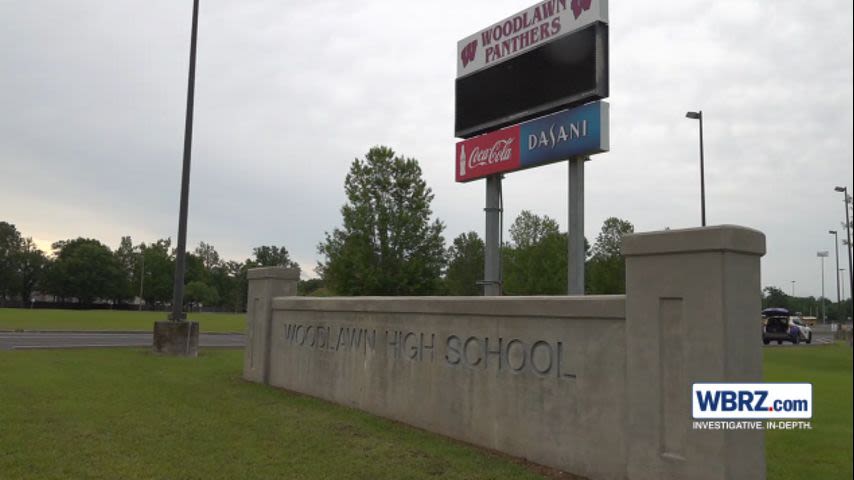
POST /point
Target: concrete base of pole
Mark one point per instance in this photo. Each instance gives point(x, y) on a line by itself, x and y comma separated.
point(180, 339)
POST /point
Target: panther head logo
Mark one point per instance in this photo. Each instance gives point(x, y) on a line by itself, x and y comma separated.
point(579, 6)
point(468, 53)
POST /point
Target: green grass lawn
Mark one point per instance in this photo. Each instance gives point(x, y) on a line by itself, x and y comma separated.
point(38, 319)
point(825, 452)
point(127, 414)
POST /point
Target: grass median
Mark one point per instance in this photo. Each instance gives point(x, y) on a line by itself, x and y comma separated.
point(127, 414)
point(110, 320)
point(824, 452)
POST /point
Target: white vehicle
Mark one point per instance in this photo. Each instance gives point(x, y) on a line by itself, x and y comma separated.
point(803, 329)
point(780, 326)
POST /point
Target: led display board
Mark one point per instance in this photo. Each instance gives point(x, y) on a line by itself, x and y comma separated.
point(549, 57)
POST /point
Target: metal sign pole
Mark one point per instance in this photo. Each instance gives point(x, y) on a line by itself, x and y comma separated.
point(575, 233)
point(491, 267)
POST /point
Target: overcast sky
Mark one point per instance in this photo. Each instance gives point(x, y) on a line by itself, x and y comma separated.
point(92, 99)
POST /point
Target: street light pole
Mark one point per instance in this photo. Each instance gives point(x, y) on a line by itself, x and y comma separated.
point(699, 116)
point(822, 256)
point(180, 260)
point(844, 191)
point(836, 244)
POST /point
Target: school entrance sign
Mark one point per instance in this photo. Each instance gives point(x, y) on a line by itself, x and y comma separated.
point(597, 386)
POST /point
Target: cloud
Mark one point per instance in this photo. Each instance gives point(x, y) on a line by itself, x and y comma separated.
point(93, 98)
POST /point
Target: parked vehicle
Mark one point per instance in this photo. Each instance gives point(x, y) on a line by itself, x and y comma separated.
point(780, 326)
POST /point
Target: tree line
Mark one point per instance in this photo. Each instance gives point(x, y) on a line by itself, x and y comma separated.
point(775, 297)
point(84, 270)
point(388, 244)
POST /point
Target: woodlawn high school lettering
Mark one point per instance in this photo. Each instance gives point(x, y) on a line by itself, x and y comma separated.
point(543, 358)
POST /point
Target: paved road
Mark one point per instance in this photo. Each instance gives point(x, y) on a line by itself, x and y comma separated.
point(30, 340)
point(25, 340)
point(818, 338)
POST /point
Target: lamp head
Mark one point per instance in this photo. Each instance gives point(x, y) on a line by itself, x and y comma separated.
point(694, 115)
point(840, 189)
point(832, 232)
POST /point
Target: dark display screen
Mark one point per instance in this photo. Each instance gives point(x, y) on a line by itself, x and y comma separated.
point(569, 71)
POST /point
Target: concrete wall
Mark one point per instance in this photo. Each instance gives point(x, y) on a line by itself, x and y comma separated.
point(264, 285)
point(596, 386)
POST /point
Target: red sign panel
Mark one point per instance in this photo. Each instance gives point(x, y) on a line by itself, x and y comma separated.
point(491, 153)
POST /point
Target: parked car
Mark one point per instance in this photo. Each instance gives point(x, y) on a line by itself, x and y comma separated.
point(780, 326)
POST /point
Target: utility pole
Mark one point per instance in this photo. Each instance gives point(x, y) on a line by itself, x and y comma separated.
point(141, 276)
point(176, 335)
point(180, 255)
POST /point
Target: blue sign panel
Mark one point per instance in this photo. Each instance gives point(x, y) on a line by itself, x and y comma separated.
point(559, 136)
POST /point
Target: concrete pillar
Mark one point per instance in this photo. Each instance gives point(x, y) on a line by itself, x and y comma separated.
point(264, 284)
point(692, 315)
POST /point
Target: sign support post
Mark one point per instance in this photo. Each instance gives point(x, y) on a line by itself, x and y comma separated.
point(492, 266)
point(575, 232)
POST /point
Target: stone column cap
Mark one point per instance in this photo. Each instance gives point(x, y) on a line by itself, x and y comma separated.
point(720, 238)
point(279, 273)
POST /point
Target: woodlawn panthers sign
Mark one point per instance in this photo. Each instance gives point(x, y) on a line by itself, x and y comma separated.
point(526, 30)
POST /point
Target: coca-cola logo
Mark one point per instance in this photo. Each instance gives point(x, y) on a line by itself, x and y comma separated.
point(500, 151)
point(579, 6)
point(468, 53)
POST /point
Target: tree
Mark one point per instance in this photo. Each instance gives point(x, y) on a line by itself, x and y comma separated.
point(236, 285)
point(309, 287)
point(774, 297)
point(194, 269)
point(534, 263)
point(30, 265)
point(201, 293)
point(10, 245)
point(388, 244)
point(208, 255)
point(159, 267)
point(606, 270)
point(465, 265)
point(272, 256)
point(85, 269)
point(128, 259)
point(529, 229)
